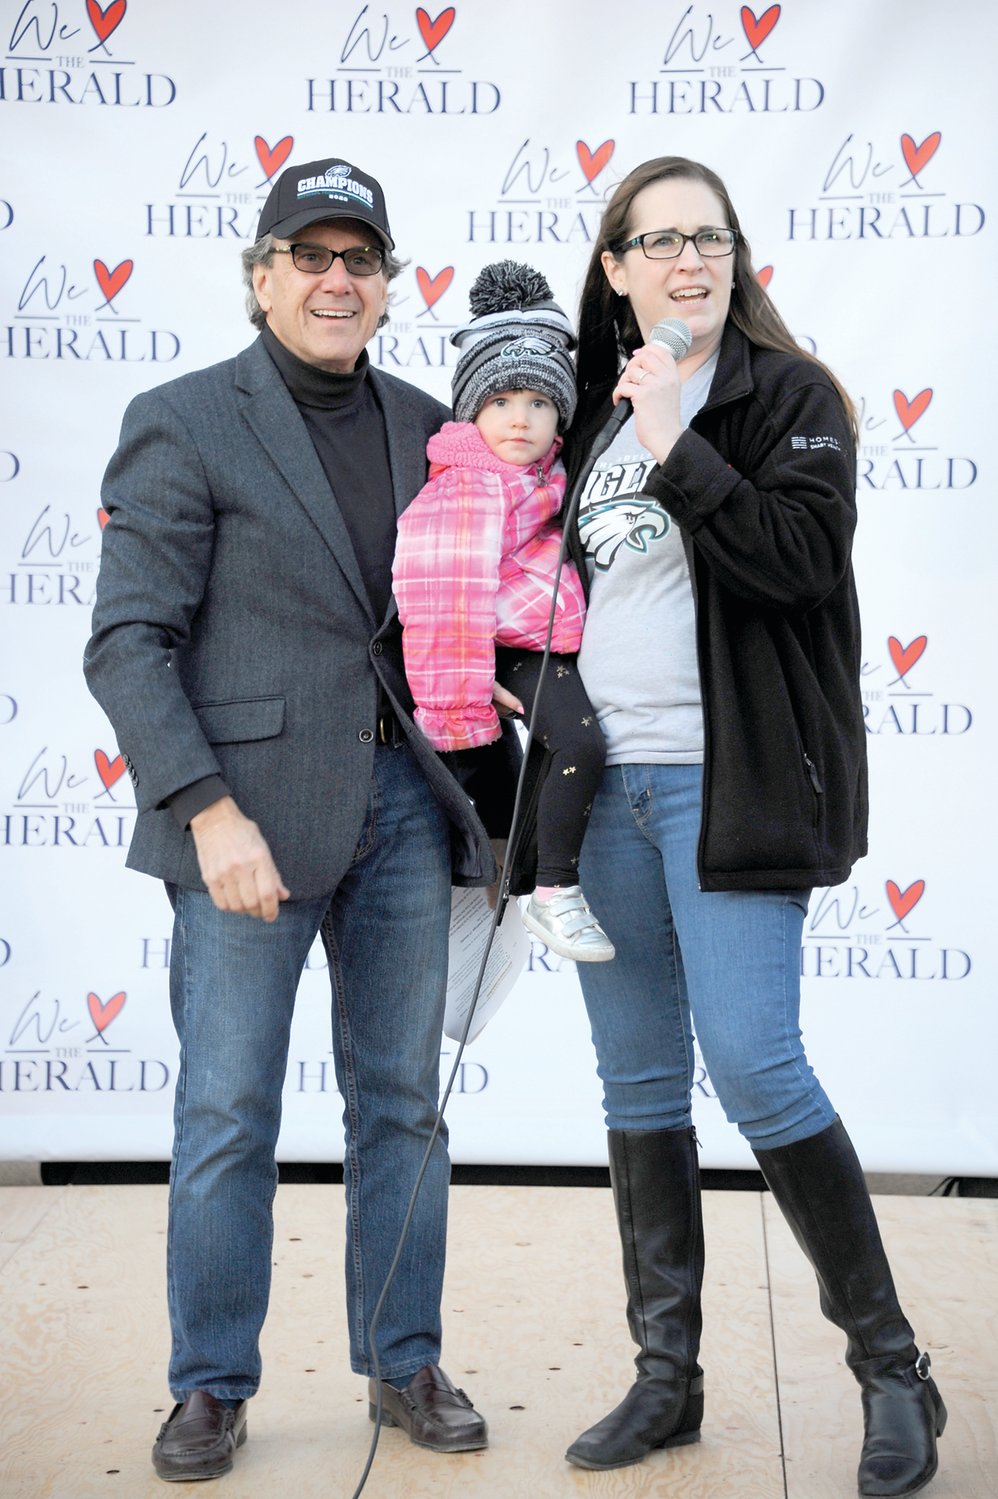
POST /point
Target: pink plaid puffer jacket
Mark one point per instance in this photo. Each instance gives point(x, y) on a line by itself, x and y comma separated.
point(475, 565)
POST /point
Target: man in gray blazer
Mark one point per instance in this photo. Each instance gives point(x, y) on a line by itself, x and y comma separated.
point(247, 652)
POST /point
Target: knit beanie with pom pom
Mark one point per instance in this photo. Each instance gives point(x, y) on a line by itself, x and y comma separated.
point(518, 339)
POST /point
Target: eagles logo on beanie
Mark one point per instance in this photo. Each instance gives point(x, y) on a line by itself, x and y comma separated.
point(518, 339)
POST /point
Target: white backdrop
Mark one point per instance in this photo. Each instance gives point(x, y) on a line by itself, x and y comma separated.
point(139, 141)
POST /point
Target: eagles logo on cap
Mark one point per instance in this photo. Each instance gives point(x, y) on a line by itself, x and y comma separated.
point(319, 190)
point(527, 345)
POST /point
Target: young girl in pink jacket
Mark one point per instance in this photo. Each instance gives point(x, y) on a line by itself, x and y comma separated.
point(475, 569)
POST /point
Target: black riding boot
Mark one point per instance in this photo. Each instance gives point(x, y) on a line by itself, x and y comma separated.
point(819, 1186)
point(656, 1190)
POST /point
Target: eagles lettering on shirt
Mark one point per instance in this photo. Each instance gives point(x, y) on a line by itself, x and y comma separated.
point(614, 513)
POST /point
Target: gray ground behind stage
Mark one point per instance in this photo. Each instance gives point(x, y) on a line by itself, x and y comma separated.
point(533, 1329)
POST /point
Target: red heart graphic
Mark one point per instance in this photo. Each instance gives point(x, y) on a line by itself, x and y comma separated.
point(106, 21)
point(765, 276)
point(109, 770)
point(903, 901)
point(102, 517)
point(433, 290)
point(102, 1014)
point(910, 411)
point(433, 32)
point(905, 656)
point(271, 158)
point(757, 29)
point(111, 282)
point(593, 162)
point(917, 156)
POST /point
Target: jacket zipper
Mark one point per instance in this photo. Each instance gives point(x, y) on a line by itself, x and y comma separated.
point(812, 771)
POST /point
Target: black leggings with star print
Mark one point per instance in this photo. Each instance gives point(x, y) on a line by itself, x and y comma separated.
point(566, 726)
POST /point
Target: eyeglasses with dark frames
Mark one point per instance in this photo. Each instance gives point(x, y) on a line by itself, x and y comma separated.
point(668, 244)
point(359, 260)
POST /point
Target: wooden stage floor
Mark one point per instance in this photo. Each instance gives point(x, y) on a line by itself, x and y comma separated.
point(533, 1329)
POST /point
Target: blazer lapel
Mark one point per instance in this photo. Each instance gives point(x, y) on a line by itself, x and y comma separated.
point(275, 420)
point(406, 459)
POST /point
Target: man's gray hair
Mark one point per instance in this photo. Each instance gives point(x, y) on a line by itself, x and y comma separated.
point(262, 253)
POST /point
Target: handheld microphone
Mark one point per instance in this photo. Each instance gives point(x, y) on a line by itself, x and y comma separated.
point(675, 334)
point(677, 338)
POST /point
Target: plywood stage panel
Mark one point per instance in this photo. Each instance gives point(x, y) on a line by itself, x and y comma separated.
point(533, 1329)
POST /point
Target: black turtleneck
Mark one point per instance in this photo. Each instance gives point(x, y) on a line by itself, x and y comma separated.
point(347, 429)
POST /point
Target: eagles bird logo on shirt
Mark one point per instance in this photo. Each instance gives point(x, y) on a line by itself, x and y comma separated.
point(610, 524)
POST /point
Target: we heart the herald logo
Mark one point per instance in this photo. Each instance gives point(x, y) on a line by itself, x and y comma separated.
point(905, 656)
point(910, 411)
point(432, 288)
point(111, 282)
point(272, 158)
point(757, 28)
point(904, 901)
point(107, 19)
point(102, 1014)
point(433, 32)
point(916, 157)
point(593, 162)
point(109, 770)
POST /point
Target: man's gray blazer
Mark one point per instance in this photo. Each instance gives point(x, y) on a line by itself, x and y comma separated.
point(232, 634)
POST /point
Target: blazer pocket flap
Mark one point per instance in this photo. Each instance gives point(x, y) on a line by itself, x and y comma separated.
point(236, 722)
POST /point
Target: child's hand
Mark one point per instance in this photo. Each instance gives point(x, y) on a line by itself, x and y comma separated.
point(506, 704)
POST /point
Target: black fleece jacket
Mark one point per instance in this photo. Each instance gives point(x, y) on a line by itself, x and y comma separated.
point(763, 488)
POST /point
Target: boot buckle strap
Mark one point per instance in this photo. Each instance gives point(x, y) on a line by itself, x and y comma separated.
point(922, 1365)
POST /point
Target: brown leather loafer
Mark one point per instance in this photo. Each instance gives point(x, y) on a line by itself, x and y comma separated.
point(433, 1412)
point(198, 1439)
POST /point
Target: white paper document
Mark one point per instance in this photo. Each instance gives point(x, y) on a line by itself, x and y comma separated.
point(471, 918)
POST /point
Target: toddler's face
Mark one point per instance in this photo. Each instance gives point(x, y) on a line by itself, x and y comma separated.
point(518, 425)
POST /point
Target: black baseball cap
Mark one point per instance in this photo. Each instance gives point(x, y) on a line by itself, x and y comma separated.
point(329, 189)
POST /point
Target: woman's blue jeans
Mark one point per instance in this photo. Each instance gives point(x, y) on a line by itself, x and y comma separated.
point(723, 966)
point(233, 982)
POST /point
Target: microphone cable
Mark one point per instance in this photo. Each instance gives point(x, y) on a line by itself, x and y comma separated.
point(569, 512)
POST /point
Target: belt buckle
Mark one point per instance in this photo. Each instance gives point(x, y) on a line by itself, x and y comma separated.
point(388, 731)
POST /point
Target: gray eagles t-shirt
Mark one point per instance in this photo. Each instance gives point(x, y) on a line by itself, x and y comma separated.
point(638, 657)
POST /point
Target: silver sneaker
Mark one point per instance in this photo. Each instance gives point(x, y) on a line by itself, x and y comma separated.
point(566, 925)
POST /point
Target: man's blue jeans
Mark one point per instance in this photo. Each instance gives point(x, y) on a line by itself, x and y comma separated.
point(233, 981)
point(725, 966)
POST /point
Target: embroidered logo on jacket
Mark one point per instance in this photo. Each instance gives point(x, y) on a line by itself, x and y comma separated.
point(816, 442)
